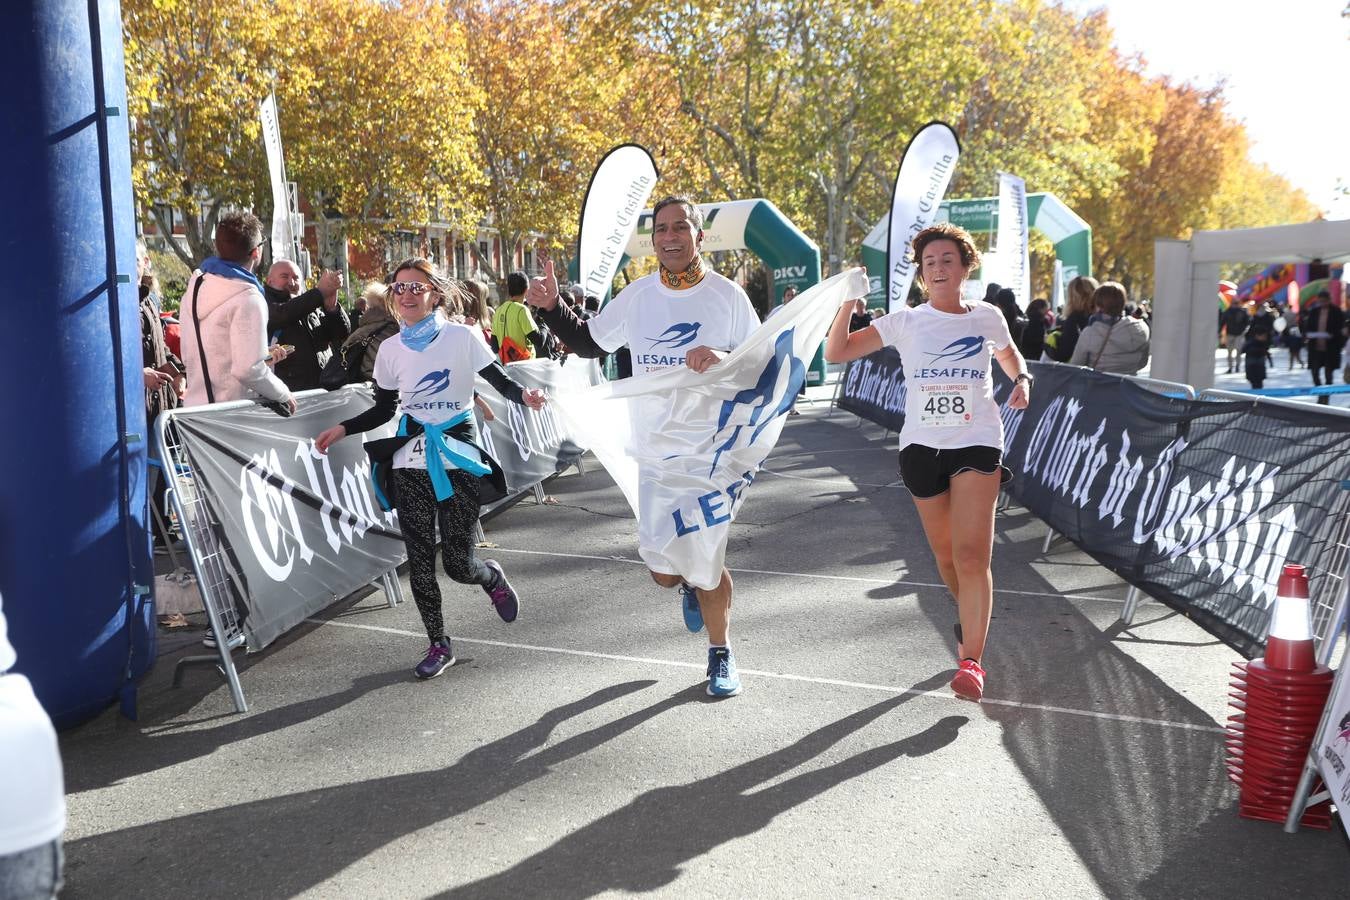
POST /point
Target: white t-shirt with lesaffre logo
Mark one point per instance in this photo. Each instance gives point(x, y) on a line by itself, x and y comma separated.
point(435, 384)
point(947, 357)
point(660, 326)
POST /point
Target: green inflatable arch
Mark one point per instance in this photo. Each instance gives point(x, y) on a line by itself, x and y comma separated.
point(1071, 235)
point(760, 227)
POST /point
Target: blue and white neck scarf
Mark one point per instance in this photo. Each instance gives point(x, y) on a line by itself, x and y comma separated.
point(214, 265)
point(419, 336)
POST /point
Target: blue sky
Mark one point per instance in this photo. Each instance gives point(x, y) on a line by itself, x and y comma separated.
point(1287, 71)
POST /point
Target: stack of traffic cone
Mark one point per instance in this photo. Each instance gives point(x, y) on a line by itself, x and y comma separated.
point(1278, 703)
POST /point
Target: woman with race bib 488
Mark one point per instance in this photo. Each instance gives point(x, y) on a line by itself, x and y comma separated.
point(951, 445)
point(435, 469)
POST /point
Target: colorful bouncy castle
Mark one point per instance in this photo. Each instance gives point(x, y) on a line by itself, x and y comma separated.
point(1284, 283)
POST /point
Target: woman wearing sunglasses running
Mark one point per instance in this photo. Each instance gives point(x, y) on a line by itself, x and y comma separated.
point(435, 468)
point(951, 445)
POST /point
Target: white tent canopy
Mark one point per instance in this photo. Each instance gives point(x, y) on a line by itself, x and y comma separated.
point(1186, 278)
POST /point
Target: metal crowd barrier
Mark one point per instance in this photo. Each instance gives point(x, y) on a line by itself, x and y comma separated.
point(216, 574)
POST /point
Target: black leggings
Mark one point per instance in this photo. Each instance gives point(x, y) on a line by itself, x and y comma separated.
point(418, 510)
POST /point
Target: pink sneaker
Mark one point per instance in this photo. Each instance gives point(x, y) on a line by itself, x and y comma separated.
point(968, 683)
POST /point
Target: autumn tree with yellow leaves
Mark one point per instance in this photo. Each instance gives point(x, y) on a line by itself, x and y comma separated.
point(367, 133)
point(494, 113)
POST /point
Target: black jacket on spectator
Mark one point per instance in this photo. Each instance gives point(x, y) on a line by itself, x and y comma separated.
point(1309, 320)
point(1032, 343)
point(1234, 320)
point(313, 331)
point(1006, 301)
point(1062, 351)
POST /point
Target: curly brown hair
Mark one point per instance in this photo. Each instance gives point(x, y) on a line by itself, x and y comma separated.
point(945, 231)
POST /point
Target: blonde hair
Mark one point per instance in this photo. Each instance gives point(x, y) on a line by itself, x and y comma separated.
point(1081, 290)
point(475, 300)
point(376, 293)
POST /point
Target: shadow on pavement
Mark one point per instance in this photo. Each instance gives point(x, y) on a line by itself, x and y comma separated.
point(642, 846)
point(282, 846)
point(148, 750)
point(1148, 808)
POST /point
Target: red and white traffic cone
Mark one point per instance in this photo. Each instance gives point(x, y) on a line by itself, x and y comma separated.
point(1277, 704)
point(1289, 642)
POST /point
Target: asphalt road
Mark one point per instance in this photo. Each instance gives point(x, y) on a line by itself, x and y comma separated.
point(574, 753)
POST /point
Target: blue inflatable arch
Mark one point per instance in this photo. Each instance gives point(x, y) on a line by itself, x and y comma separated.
point(75, 566)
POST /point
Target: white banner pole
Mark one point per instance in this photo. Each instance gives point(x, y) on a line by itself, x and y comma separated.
point(1013, 256)
point(615, 199)
point(920, 183)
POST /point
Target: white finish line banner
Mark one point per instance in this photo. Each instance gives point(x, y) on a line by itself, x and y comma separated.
point(687, 479)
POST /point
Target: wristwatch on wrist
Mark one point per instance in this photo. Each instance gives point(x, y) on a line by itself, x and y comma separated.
point(1025, 376)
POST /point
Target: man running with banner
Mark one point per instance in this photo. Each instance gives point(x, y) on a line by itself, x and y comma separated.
point(685, 437)
point(686, 315)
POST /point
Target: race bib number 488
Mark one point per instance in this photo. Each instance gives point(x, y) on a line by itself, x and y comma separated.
point(945, 405)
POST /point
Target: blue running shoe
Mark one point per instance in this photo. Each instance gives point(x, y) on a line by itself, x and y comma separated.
point(693, 613)
point(439, 658)
point(723, 679)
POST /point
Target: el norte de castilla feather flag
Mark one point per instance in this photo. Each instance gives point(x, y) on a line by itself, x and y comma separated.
point(687, 480)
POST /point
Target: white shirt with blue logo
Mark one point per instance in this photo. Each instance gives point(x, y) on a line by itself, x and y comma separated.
point(947, 357)
point(435, 384)
point(660, 325)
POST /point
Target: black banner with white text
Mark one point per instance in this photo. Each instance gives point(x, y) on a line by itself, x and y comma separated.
point(301, 528)
point(1197, 503)
point(873, 387)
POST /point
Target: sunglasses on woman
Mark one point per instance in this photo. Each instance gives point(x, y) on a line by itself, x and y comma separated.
point(416, 288)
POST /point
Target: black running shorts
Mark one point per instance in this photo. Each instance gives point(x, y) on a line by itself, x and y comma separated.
point(928, 472)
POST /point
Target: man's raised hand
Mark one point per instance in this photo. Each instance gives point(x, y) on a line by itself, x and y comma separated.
point(543, 291)
point(534, 398)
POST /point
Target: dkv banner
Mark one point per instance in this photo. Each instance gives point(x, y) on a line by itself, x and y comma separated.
point(687, 478)
point(615, 199)
point(925, 171)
